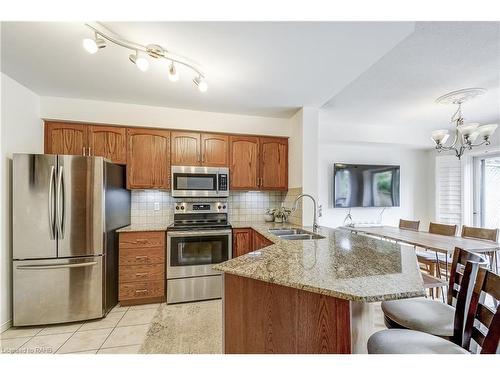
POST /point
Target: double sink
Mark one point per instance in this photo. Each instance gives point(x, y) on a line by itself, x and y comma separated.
point(294, 234)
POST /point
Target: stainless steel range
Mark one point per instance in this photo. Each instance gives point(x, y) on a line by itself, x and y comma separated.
point(199, 238)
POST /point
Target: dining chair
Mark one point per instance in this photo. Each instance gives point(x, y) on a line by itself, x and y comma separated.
point(487, 235)
point(404, 341)
point(432, 260)
point(409, 224)
point(431, 316)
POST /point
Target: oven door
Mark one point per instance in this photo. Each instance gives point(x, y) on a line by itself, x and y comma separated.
point(194, 181)
point(194, 253)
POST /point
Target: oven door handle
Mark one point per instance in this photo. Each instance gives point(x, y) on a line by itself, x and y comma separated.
point(199, 233)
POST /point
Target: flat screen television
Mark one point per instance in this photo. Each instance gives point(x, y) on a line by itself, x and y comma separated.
point(362, 185)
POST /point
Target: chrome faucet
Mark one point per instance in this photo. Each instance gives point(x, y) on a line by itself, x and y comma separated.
point(315, 217)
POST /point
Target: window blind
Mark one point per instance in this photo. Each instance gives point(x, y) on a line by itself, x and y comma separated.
point(448, 190)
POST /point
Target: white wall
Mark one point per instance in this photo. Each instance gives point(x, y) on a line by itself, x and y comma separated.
point(414, 181)
point(161, 117)
point(21, 131)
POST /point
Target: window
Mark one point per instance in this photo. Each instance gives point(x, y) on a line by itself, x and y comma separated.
point(486, 208)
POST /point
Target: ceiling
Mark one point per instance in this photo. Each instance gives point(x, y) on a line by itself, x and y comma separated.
point(394, 100)
point(266, 69)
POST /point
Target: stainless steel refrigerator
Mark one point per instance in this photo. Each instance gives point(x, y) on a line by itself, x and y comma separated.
point(66, 210)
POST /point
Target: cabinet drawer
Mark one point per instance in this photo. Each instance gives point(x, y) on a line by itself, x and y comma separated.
point(135, 257)
point(142, 289)
point(147, 272)
point(141, 239)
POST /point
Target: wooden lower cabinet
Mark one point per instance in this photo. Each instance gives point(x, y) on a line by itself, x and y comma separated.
point(246, 240)
point(262, 317)
point(242, 241)
point(141, 273)
point(259, 241)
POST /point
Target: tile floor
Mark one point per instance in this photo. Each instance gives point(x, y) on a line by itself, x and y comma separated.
point(188, 328)
point(122, 331)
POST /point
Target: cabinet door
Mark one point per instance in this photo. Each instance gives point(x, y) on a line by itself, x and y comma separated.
point(273, 163)
point(65, 138)
point(186, 148)
point(215, 150)
point(244, 166)
point(148, 159)
point(242, 241)
point(259, 241)
point(108, 141)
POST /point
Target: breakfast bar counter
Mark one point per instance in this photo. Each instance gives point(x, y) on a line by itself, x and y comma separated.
point(312, 296)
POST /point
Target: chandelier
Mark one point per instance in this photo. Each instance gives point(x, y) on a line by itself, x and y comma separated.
point(465, 133)
point(141, 52)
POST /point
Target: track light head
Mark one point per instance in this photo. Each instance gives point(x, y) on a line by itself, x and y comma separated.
point(93, 45)
point(201, 83)
point(173, 75)
point(141, 63)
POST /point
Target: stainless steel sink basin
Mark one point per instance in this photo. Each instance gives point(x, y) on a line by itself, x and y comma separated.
point(294, 234)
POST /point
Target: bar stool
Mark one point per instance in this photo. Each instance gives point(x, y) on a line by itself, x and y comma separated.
point(403, 341)
point(431, 316)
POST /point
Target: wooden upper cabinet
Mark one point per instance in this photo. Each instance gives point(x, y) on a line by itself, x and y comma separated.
point(214, 150)
point(148, 159)
point(65, 138)
point(244, 165)
point(186, 148)
point(109, 142)
point(273, 163)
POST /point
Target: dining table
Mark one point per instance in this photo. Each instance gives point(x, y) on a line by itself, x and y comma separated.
point(430, 241)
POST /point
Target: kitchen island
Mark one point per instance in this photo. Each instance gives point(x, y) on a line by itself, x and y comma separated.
point(312, 296)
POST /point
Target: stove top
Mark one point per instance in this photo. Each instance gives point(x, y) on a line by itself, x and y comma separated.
point(200, 215)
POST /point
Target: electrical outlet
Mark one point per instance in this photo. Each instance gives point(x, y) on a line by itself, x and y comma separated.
point(157, 206)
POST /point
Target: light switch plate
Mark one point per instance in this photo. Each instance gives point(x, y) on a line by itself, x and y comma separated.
point(157, 206)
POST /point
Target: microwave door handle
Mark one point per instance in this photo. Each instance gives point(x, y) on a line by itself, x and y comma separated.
point(217, 183)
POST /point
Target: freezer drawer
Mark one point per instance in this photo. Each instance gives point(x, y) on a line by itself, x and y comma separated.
point(57, 290)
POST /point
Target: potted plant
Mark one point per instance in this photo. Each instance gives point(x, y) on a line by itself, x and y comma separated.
point(269, 216)
point(281, 214)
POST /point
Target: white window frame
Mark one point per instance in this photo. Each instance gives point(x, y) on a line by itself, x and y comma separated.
point(468, 182)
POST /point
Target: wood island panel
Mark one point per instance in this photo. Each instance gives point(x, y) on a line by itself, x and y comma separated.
point(261, 317)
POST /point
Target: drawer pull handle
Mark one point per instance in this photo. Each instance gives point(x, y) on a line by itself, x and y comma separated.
point(141, 240)
point(141, 291)
point(141, 274)
point(141, 257)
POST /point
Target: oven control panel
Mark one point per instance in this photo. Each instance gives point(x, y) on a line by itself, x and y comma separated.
point(200, 207)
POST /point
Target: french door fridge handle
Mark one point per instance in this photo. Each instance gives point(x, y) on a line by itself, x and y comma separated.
point(51, 203)
point(53, 266)
point(59, 200)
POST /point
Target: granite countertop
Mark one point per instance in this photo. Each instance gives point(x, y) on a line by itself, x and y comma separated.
point(144, 228)
point(343, 265)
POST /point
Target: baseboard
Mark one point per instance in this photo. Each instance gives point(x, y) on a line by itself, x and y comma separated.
point(5, 326)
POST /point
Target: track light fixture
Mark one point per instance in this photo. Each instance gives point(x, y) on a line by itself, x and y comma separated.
point(172, 73)
point(93, 45)
point(141, 62)
point(103, 34)
point(200, 82)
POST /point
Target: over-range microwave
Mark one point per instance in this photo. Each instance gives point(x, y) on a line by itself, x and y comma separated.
point(200, 182)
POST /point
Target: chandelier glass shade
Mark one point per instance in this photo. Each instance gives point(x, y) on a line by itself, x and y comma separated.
point(466, 135)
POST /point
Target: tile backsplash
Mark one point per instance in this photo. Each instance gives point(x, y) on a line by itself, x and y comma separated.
point(243, 205)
